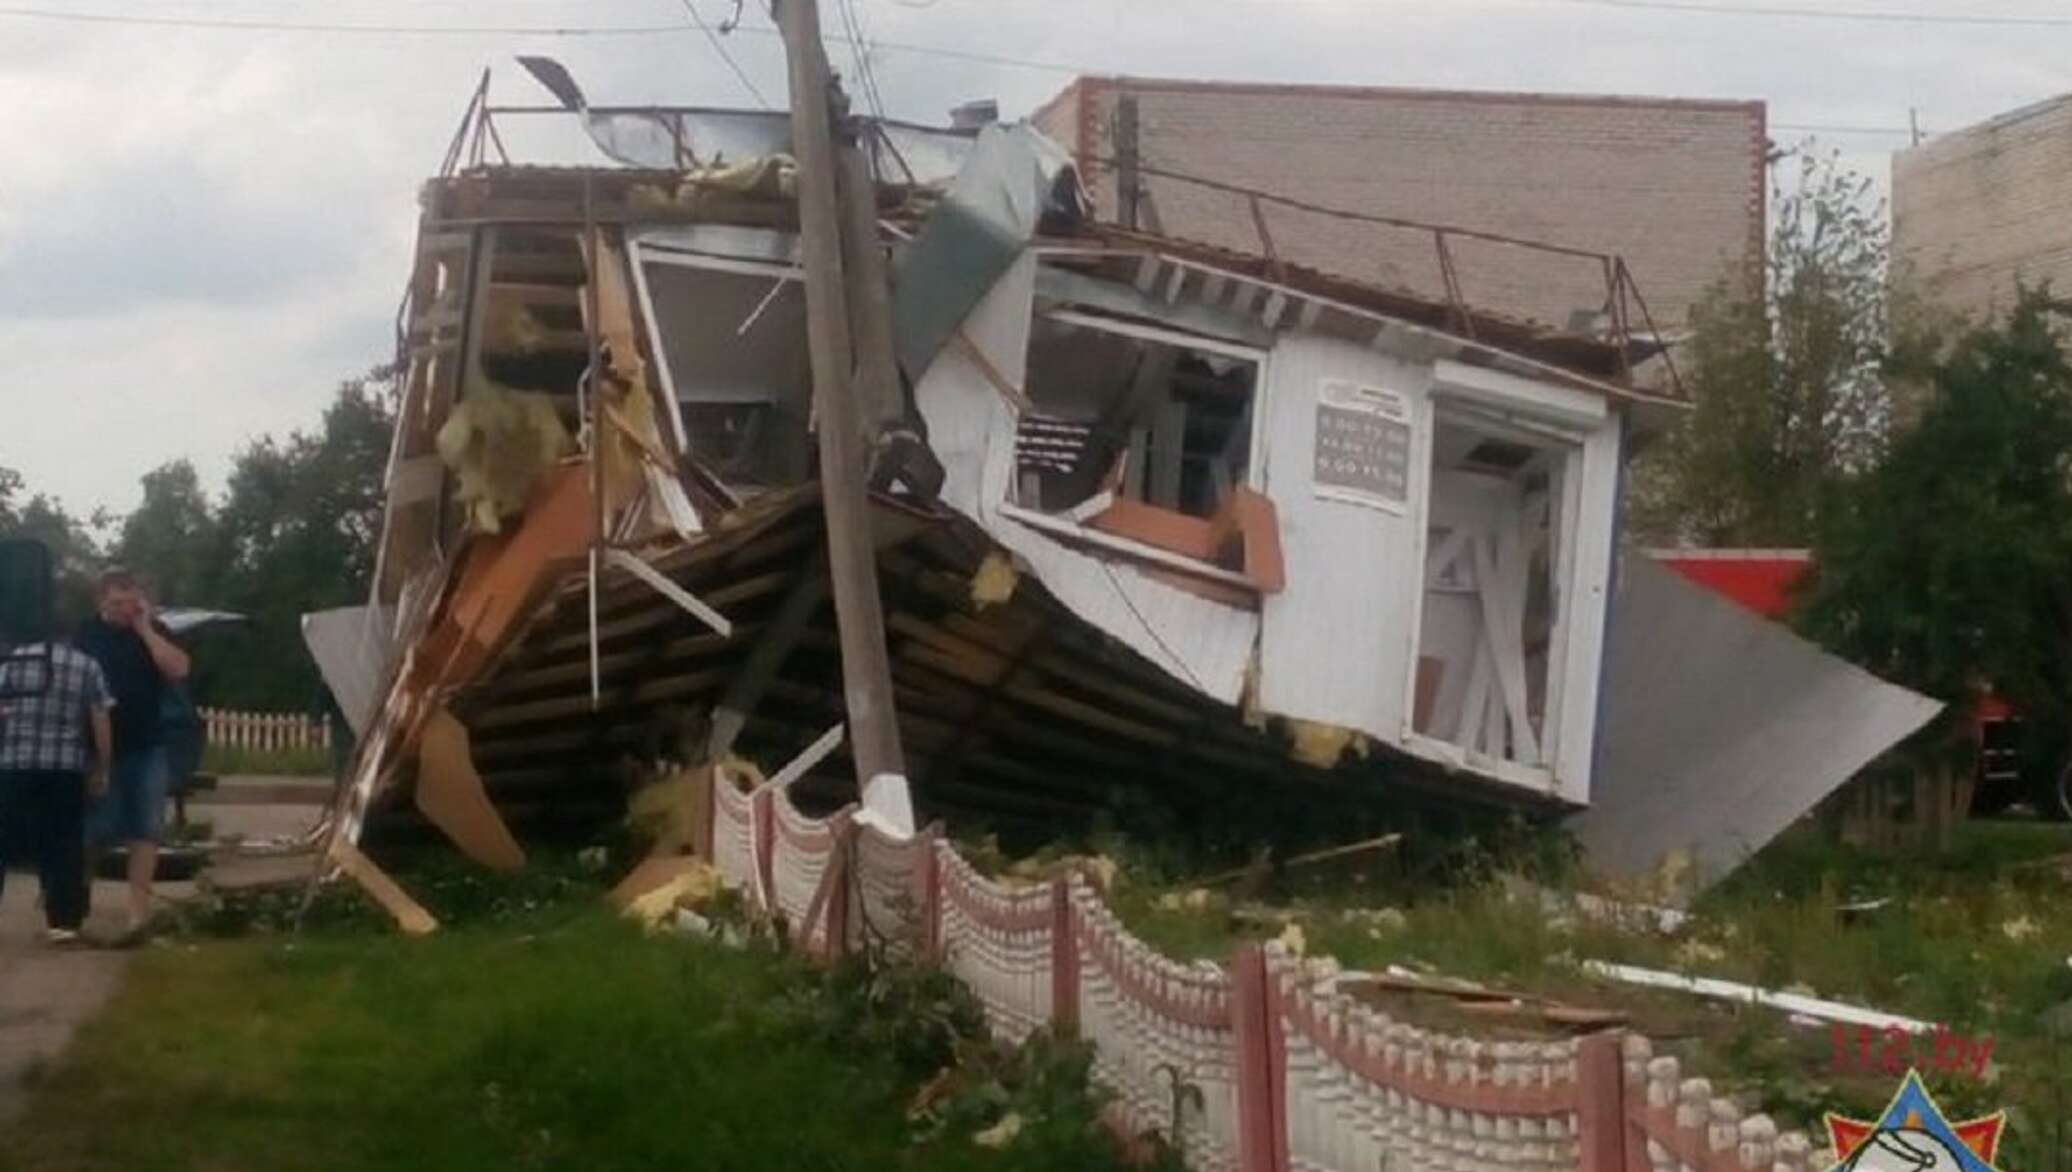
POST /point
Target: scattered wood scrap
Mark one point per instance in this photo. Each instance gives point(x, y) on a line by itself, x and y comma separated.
point(1384, 842)
point(1482, 1000)
point(409, 914)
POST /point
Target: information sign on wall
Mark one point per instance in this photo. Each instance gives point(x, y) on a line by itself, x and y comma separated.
point(1363, 446)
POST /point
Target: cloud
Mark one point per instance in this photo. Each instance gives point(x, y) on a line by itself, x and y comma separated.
point(202, 232)
point(166, 232)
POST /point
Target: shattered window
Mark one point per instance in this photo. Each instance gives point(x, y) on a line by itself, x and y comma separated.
point(733, 341)
point(1132, 412)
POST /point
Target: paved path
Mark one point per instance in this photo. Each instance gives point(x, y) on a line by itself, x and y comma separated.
point(46, 993)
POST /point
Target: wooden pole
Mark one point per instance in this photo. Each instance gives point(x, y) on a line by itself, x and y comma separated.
point(852, 560)
point(1128, 193)
point(876, 386)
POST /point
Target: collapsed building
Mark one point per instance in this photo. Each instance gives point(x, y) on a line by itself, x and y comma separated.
point(1149, 510)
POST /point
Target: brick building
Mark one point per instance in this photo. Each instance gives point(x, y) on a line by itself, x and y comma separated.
point(1674, 186)
point(1976, 210)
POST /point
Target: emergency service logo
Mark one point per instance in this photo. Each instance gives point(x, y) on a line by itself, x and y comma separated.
point(1913, 1135)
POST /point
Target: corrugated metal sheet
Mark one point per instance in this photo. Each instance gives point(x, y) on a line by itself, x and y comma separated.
point(352, 651)
point(1203, 644)
point(1721, 728)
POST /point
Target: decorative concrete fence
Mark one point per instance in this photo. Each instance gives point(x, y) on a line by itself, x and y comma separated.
point(1267, 1064)
point(265, 732)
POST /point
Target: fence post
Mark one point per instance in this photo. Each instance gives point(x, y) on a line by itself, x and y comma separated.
point(841, 860)
point(931, 893)
point(1601, 1102)
point(1261, 1141)
point(1064, 960)
point(763, 823)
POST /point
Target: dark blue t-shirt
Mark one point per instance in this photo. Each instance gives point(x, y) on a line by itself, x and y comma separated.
point(133, 680)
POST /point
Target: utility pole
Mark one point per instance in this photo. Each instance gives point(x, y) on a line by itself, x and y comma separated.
point(852, 557)
point(1128, 184)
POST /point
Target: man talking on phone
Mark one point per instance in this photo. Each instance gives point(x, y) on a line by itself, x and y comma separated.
point(138, 657)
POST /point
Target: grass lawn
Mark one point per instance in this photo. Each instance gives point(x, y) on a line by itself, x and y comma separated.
point(552, 1039)
point(1978, 938)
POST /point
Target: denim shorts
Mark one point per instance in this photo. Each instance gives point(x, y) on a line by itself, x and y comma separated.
point(133, 809)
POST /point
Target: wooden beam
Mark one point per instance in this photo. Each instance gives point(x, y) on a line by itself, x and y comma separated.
point(672, 688)
point(766, 658)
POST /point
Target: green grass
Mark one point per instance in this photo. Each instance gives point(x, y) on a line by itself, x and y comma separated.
point(226, 761)
point(1971, 939)
point(542, 1039)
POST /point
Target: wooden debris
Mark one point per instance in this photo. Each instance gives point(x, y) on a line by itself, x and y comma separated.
point(451, 796)
point(409, 915)
point(1383, 842)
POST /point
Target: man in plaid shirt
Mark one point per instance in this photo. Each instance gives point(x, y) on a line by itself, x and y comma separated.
point(56, 742)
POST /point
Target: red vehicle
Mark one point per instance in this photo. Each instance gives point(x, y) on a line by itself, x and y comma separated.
point(1762, 581)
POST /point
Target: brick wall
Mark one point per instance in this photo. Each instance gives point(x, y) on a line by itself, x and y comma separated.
point(1676, 187)
point(1979, 208)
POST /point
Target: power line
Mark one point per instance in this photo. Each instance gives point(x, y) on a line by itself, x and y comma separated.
point(867, 75)
point(691, 9)
point(630, 30)
point(954, 54)
point(859, 52)
point(1820, 128)
point(292, 26)
point(1776, 11)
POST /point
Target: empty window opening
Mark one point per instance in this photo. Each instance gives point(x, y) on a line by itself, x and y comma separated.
point(1122, 411)
point(733, 342)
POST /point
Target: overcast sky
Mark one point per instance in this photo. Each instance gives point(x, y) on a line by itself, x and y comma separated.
point(203, 231)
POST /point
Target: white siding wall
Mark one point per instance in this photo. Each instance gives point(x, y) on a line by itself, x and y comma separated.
point(1339, 645)
point(1336, 644)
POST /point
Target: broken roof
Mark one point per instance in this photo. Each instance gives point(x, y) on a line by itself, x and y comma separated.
point(522, 194)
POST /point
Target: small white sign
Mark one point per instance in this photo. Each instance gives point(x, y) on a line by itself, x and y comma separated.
point(1363, 446)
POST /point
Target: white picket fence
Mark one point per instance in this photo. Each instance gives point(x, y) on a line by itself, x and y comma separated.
point(265, 732)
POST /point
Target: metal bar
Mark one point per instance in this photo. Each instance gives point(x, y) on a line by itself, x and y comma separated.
point(1455, 299)
point(1273, 258)
point(1364, 217)
point(489, 124)
point(1615, 315)
point(460, 133)
point(1654, 332)
point(1128, 190)
point(748, 686)
point(808, 757)
point(668, 589)
point(595, 375)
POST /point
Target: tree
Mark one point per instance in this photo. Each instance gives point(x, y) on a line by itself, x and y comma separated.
point(73, 549)
point(169, 537)
point(295, 533)
point(1786, 368)
point(1948, 565)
